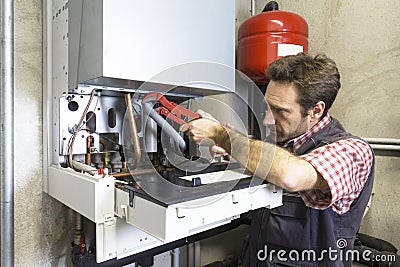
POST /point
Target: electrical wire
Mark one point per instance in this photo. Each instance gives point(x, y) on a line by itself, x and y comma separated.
point(78, 130)
point(70, 150)
point(97, 133)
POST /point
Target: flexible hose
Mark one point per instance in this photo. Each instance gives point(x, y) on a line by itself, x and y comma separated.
point(376, 243)
point(83, 167)
point(166, 127)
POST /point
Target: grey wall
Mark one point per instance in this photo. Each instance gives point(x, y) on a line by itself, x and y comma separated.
point(362, 36)
point(42, 225)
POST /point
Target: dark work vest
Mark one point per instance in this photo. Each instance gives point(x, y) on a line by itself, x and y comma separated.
point(293, 231)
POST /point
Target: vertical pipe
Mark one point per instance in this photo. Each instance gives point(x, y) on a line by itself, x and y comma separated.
point(78, 229)
point(190, 255)
point(175, 257)
point(253, 7)
point(197, 254)
point(7, 133)
point(252, 122)
point(194, 254)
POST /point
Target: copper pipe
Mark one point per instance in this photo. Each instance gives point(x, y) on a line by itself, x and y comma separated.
point(88, 156)
point(138, 172)
point(132, 124)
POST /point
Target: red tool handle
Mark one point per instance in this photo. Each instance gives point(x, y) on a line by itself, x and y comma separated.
point(170, 109)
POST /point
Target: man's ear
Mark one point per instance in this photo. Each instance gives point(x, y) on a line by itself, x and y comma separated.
point(317, 111)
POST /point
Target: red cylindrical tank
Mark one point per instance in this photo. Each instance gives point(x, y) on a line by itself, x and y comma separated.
point(266, 37)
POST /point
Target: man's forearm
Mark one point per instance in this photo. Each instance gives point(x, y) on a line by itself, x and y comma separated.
point(255, 155)
point(269, 162)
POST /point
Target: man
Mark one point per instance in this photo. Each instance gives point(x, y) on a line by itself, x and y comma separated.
point(326, 173)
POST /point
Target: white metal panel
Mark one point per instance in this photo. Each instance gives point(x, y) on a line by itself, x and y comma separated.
point(148, 217)
point(58, 54)
point(148, 37)
point(91, 197)
point(141, 39)
point(108, 248)
point(191, 217)
point(131, 240)
point(69, 119)
point(59, 47)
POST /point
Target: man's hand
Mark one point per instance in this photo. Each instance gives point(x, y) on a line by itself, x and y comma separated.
point(216, 150)
point(201, 130)
point(205, 131)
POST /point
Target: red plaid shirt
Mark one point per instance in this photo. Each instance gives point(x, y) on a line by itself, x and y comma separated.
point(344, 164)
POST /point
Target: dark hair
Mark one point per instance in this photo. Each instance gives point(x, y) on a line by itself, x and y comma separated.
point(317, 79)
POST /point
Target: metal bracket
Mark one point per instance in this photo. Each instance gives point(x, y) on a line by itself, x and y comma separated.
point(131, 198)
point(179, 213)
point(234, 200)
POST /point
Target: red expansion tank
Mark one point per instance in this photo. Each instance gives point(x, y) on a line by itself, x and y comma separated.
point(266, 37)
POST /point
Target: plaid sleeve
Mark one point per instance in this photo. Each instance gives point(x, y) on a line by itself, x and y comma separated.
point(345, 166)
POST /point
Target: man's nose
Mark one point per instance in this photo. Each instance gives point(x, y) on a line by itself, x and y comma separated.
point(269, 118)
